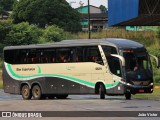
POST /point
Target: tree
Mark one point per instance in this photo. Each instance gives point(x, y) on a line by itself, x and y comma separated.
point(103, 8)
point(22, 34)
point(5, 27)
point(52, 34)
point(47, 12)
point(7, 4)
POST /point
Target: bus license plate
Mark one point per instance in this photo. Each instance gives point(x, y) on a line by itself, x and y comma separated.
point(141, 91)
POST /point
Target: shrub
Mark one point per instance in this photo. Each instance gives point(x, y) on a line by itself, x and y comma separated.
point(53, 34)
point(22, 34)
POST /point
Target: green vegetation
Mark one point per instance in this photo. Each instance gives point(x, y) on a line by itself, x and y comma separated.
point(1, 82)
point(47, 12)
point(53, 34)
point(154, 96)
point(7, 5)
point(24, 33)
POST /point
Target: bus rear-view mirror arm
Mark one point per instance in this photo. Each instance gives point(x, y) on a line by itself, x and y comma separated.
point(119, 57)
point(156, 59)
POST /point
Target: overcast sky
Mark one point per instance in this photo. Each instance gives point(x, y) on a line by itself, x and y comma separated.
point(96, 3)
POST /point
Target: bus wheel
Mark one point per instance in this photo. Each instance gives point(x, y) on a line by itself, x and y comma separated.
point(26, 92)
point(128, 96)
point(102, 91)
point(62, 96)
point(36, 92)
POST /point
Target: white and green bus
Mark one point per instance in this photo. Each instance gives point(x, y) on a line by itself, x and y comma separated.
point(108, 66)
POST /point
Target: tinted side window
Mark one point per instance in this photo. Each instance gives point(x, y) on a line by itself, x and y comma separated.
point(109, 50)
point(23, 56)
point(79, 54)
point(48, 56)
point(113, 62)
point(64, 55)
point(9, 56)
point(92, 54)
point(114, 65)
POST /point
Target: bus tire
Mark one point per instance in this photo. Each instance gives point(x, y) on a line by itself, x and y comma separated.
point(26, 92)
point(62, 96)
point(128, 96)
point(102, 91)
point(36, 92)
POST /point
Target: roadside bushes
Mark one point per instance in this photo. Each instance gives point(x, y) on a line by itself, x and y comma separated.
point(24, 33)
point(52, 34)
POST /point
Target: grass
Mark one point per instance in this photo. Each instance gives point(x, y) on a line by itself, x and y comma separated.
point(1, 82)
point(145, 37)
point(153, 96)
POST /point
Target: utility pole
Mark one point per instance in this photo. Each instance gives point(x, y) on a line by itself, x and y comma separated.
point(89, 30)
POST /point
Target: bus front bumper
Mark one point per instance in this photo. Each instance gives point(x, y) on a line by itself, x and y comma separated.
point(139, 89)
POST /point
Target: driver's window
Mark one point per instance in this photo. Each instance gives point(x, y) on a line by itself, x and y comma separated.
point(113, 62)
point(93, 55)
point(114, 65)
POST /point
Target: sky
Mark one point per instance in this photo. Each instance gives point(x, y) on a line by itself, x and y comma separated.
point(96, 3)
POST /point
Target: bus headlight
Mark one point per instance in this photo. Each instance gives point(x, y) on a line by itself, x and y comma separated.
point(151, 84)
point(128, 84)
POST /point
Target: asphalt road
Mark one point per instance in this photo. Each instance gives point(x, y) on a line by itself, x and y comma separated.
point(10, 102)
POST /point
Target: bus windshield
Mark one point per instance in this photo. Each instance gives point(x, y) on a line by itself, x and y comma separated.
point(137, 61)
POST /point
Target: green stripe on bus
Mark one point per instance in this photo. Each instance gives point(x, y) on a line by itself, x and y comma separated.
point(58, 76)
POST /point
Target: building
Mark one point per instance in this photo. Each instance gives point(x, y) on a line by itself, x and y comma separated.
point(142, 28)
point(98, 19)
point(134, 12)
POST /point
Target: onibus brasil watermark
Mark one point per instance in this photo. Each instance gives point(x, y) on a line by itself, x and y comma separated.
point(21, 114)
point(38, 114)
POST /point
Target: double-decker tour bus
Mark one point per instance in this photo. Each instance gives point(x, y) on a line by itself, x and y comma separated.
point(98, 66)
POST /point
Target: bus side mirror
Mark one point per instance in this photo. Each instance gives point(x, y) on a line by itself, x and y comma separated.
point(157, 60)
point(121, 59)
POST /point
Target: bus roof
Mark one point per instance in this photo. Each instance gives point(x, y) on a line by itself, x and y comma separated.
point(117, 42)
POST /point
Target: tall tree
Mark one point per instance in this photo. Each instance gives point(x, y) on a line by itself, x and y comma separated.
point(7, 4)
point(47, 12)
point(5, 28)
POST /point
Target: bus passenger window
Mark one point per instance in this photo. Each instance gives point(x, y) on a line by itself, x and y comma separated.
point(52, 59)
point(93, 55)
point(31, 57)
point(79, 54)
point(63, 55)
point(48, 56)
point(34, 60)
point(45, 59)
